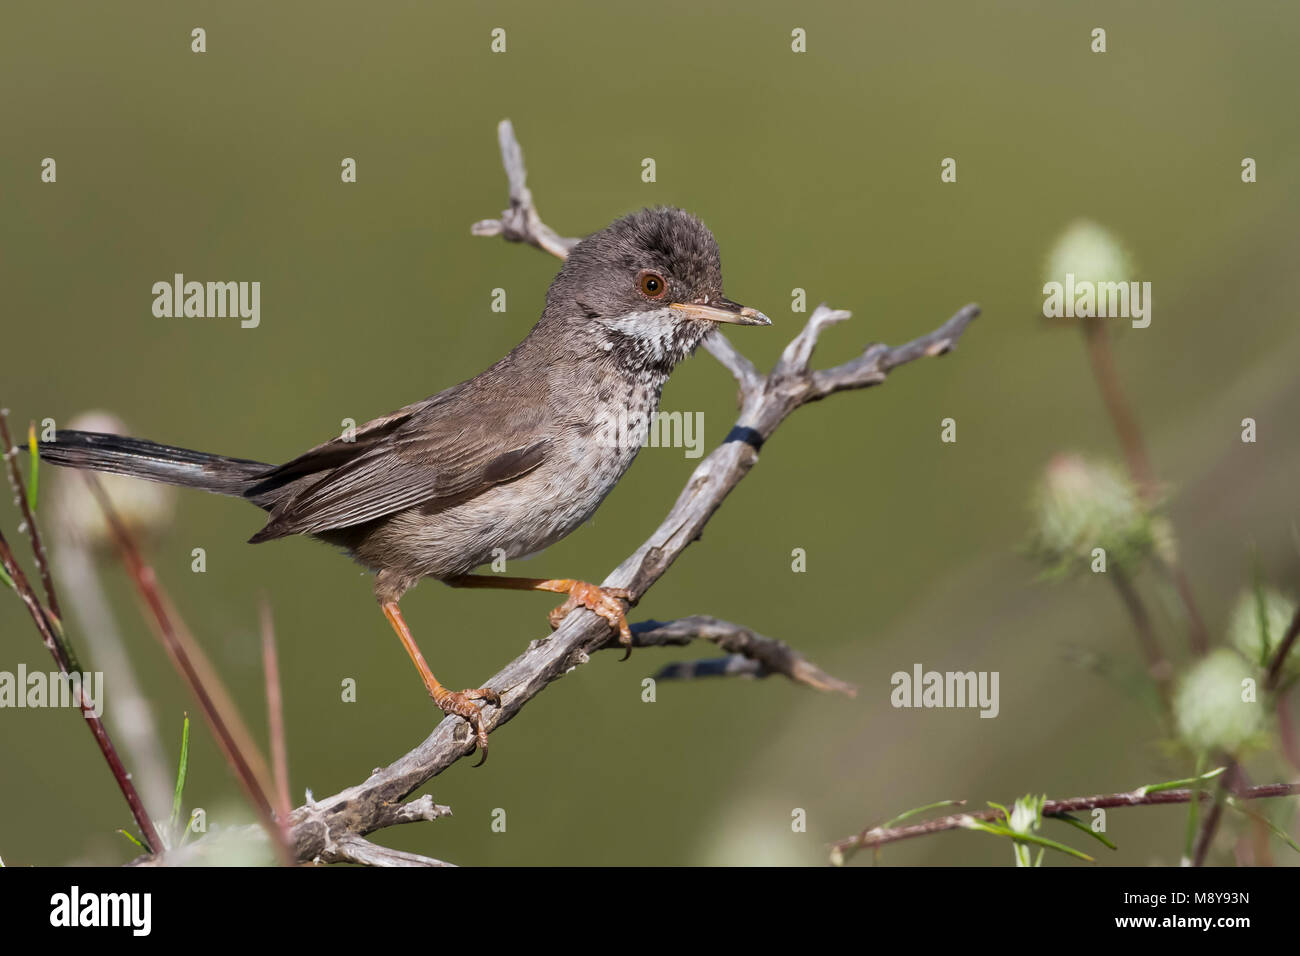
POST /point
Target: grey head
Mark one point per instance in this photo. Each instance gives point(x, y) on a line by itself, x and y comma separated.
point(646, 289)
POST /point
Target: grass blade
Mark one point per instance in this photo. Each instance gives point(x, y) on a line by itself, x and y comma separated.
point(996, 830)
point(914, 811)
point(175, 818)
point(1179, 784)
point(1076, 822)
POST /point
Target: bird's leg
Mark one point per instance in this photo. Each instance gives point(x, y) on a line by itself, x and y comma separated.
point(449, 702)
point(607, 602)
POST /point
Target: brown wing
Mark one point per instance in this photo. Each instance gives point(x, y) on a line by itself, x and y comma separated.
point(452, 448)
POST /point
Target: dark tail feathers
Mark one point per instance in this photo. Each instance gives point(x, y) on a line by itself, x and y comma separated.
point(145, 459)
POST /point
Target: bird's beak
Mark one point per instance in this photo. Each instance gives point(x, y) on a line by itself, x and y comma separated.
point(733, 313)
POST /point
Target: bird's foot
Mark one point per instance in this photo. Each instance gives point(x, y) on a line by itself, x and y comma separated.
point(607, 602)
point(461, 704)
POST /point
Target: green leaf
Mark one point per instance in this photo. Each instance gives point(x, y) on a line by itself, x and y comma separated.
point(895, 821)
point(175, 818)
point(1006, 814)
point(4, 576)
point(838, 857)
point(1177, 784)
point(35, 467)
point(993, 828)
point(132, 838)
point(1076, 822)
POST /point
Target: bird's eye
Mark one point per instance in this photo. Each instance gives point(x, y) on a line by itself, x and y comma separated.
point(651, 284)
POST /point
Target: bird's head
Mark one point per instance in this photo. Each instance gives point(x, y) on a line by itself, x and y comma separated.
point(648, 286)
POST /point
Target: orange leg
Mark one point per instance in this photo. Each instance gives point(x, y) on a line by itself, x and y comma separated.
point(459, 703)
point(607, 602)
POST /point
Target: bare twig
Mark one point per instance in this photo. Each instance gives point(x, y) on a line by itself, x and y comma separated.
point(1097, 337)
point(275, 720)
point(520, 222)
point(751, 654)
point(1141, 797)
point(132, 717)
point(243, 757)
point(720, 347)
point(1227, 784)
point(1286, 730)
point(1207, 832)
point(1158, 667)
point(766, 401)
point(57, 649)
point(355, 849)
point(1274, 674)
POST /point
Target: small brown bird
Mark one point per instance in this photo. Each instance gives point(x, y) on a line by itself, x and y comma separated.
point(509, 461)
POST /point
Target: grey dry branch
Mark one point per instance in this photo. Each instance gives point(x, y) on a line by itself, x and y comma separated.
point(355, 849)
point(1141, 797)
point(766, 401)
point(750, 654)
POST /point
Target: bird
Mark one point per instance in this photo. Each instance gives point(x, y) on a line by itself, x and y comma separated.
point(509, 461)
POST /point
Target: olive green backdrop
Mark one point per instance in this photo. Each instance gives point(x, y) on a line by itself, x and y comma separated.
point(816, 170)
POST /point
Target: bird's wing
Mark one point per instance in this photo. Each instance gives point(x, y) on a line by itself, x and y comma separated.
point(443, 451)
point(329, 455)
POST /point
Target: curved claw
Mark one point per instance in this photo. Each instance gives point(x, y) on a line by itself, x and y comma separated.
point(461, 704)
point(607, 602)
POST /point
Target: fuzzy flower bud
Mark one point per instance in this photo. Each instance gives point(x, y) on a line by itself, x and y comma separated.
point(1215, 705)
point(1091, 253)
point(1081, 506)
point(1257, 626)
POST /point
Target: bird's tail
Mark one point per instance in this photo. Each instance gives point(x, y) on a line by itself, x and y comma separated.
point(137, 458)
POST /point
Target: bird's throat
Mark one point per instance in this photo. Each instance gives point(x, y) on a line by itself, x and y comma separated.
point(650, 344)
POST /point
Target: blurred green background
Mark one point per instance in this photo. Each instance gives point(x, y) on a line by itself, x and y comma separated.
point(818, 171)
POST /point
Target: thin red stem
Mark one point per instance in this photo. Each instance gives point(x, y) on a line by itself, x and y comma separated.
point(146, 583)
point(97, 729)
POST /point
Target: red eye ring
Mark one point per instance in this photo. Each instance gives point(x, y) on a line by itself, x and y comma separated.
point(651, 284)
